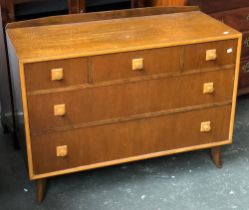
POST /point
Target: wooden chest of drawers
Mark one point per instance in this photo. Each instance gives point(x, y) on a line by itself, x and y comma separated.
point(106, 92)
point(234, 13)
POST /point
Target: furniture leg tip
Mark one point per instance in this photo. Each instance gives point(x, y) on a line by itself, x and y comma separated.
point(216, 156)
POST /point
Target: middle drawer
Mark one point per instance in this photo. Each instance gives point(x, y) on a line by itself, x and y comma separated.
point(107, 102)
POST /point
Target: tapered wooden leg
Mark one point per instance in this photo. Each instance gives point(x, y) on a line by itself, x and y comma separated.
point(40, 189)
point(216, 156)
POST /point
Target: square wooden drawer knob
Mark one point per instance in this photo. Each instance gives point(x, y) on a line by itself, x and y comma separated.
point(59, 110)
point(61, 151)
point(208, 87)
point(205, 127)
point(137, 64)
point(57, 74)
point(211, 55)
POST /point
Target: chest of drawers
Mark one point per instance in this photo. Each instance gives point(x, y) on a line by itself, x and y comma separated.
point(101, 93)
point(234, 13)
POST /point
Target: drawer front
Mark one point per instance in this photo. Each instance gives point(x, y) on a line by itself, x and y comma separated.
point(245, 44)
point(162, 61)
point(238, 19)
point(244, 73)
point(111, 142)
point(210, 6)
point(103, 103)
point(44, 75)
point(120, 65)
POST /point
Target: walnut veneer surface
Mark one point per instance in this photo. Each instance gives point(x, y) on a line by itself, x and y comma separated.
point(106, 92)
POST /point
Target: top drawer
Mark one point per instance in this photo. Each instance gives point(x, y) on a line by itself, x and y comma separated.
point(55, 74)
point(210, 6)
point(171, 60)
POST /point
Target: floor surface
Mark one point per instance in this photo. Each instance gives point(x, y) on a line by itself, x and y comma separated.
point(184, 181)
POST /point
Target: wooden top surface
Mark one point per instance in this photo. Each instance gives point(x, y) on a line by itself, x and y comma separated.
point(119, 35)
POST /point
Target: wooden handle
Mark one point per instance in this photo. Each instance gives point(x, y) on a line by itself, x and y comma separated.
point(57, 74)
point(61, 151)
point(137, 64)
point(59, 110)
point(211, 55)
point(205, 127)
point(208, 88)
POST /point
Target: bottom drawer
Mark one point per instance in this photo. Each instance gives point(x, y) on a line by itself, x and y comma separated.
point(128, 139)
point(244, 73)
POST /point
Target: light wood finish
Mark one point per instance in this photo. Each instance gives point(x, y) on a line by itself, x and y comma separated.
point(61, 151)
point(71, 19)
point(234, 14)
point(205, 127)
point(216, 156)
point(211, 55)
point(41, 189)
point(208, 88)
point(59, 110)
point(43, 44)
point(157, 111)
point(8, 14)
point(137, 64)
point(108, 15)
point(57, 74)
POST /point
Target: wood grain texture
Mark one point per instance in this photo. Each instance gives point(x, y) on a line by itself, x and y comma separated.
point(236, 15)
point(119, 35)
point(38, 75)
point(129, 139)
point(87, 105)
point(125, 117)
point(97, 16)
point(164, 60)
